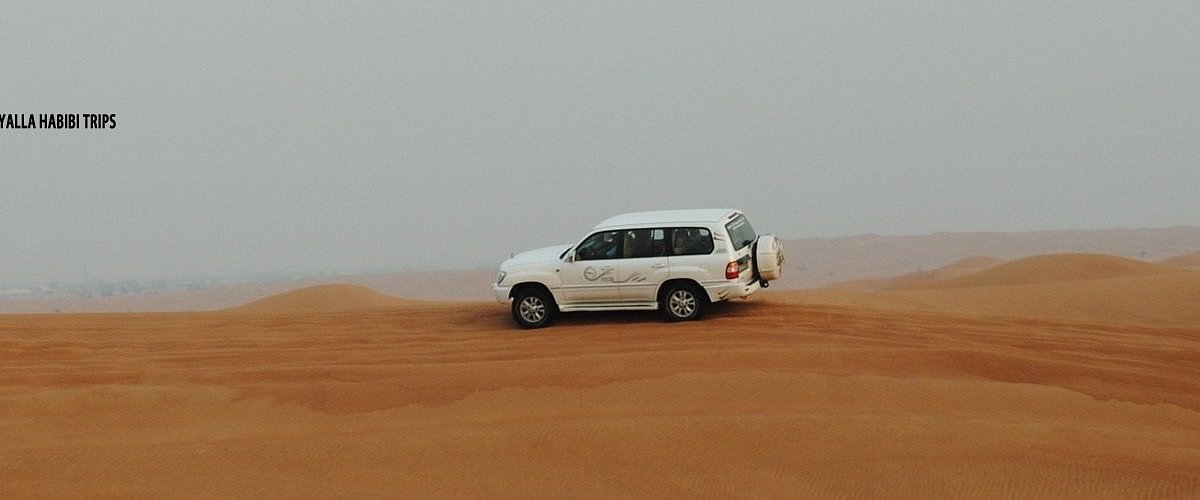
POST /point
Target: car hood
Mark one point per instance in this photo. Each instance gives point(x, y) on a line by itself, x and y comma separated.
point(541, 255)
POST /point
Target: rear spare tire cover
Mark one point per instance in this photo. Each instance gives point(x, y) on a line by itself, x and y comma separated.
point(768, 257)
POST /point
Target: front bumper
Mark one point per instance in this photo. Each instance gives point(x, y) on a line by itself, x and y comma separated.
point(501, 293)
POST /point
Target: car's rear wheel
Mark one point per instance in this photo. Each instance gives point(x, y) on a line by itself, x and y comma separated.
point(683, 303)
point(532, 308)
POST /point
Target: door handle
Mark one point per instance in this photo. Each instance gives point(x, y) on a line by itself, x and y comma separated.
point(658, 266)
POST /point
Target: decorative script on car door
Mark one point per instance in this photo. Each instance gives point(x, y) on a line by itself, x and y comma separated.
point(605, 273)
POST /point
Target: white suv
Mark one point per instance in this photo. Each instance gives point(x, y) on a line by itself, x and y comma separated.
point(678, 261)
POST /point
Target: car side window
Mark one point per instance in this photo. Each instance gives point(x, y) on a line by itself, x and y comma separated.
point(641, 243)
point(691, 241)
point(600, 246)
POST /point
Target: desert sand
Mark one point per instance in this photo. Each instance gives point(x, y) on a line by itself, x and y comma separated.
point(1074, 287)
point(324, 299)
point(1085, 384)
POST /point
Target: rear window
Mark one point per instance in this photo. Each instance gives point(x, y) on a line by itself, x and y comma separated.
point(741, 233)
point(691, 241)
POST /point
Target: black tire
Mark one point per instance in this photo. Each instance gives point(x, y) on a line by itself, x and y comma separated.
point(754, 261)
point(533, 308)
point(683, 302)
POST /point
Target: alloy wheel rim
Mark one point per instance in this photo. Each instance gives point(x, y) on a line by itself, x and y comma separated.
point(683, 303)
point(532, 309)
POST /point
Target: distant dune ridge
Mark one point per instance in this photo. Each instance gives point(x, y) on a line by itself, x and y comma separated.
point(864, 262)
point(816, 262)
point(1084, 287)
point(955, 269)
point(323, 299)
point(1049, 269)
point(424, 285)
point(1087, 287)
point(1186, 261)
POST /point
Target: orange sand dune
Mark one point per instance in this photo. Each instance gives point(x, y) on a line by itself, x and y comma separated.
point(1078, 287)
point(958, 268)
point(817, 262)
point(1052, 268)
point(761, 399)
point(324, 298)
point(1186, 261)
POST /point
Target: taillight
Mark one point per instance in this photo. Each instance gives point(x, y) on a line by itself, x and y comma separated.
point(732, 271)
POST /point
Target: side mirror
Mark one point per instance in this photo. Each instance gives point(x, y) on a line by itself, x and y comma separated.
point(570, 256)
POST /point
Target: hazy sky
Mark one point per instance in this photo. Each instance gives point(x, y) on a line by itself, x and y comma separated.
point(296, 137)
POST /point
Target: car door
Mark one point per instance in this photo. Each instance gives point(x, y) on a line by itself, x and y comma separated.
point(691, 255)
point(645, 265)
point(591, 276)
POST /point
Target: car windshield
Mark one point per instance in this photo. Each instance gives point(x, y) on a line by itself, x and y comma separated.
point(741, 233)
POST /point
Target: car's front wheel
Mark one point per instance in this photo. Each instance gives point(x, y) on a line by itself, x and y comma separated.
point(532, 308)
point(683, 303)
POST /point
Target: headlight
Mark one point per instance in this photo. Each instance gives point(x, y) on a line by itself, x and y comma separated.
point(500, 277)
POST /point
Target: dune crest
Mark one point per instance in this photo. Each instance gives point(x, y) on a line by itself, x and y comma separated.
point(323, 298)
point(1053, 268)
point(1186, 261)
point(958, 268)
point(1072, 287)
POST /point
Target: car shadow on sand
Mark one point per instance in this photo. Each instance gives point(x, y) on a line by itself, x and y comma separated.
point(589, 318)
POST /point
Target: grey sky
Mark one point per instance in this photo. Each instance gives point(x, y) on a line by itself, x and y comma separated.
point(347, 136)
